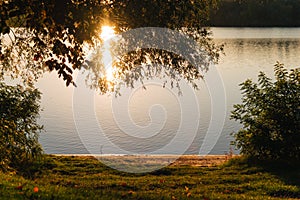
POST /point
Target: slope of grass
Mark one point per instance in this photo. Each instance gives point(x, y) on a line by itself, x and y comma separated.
point(86, 178)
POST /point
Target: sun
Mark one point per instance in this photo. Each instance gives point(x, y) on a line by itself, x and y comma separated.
point(107, 33)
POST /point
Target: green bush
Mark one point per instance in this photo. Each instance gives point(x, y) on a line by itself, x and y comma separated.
point(19, 129)
point(269, 113)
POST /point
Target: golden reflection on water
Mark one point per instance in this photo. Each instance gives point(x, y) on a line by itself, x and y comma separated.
point(244, 57)
point(107, 33)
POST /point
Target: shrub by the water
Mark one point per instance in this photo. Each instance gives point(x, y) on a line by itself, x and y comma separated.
point(270, 115)
point(19, 129)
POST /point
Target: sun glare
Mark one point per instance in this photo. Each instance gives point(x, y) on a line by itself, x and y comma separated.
point(107, 32)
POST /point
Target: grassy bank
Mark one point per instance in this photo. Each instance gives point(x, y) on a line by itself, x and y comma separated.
point(86, 178)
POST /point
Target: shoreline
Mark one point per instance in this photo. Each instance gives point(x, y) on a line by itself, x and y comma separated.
point(167, 159)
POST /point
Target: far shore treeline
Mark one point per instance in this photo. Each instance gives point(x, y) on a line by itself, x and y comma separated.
point(256, 13)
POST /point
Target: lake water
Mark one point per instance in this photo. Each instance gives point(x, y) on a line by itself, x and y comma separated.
point(157, 120)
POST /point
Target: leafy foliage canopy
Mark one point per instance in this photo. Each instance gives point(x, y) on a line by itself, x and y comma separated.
point(51, 34)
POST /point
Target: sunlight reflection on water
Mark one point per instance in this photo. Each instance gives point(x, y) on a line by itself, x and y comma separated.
point(248, 51)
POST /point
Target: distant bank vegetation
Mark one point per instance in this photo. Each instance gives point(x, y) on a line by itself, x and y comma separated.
point(256, 13)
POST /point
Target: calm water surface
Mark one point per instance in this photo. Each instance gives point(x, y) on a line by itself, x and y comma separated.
point(149, 119)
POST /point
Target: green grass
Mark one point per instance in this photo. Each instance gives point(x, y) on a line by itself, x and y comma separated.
point(87, 178)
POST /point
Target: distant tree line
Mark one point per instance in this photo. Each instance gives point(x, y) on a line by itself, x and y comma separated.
point(256, 13)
